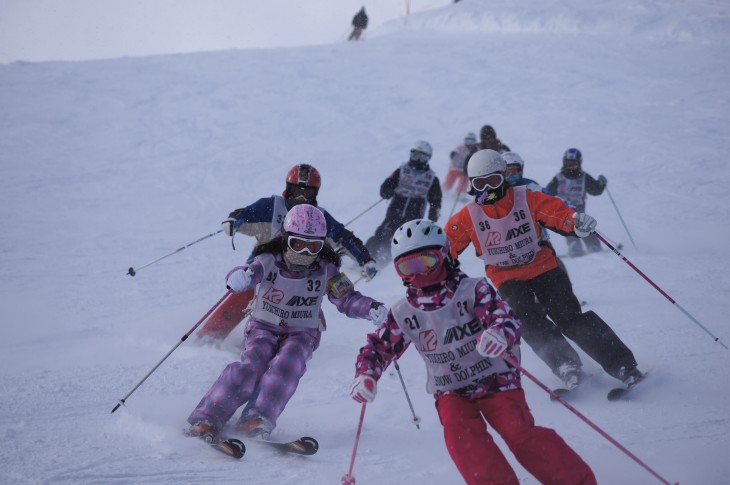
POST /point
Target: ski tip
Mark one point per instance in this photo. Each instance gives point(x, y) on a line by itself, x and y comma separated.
point(310, 443)
point(232, 447)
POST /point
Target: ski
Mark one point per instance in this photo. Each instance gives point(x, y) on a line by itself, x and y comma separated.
point(231, 447)
point(561, 392)
point(302, 446)
point(228, 446)
point(618, 393)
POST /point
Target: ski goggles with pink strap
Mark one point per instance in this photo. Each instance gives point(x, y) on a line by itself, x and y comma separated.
point(300, 244)
point(421, 262)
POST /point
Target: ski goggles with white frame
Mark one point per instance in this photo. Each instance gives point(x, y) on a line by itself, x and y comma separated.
point(483, 182)
point(301, 245)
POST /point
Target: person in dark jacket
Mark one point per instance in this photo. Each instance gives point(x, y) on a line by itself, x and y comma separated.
point(572, 184)
point(359, 23)
point(410, 188)
point(488, 140)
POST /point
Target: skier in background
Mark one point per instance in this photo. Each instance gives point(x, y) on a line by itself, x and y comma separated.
point(263, 220)
point(456, 176)
point(359, 24)
point(488, 140)
point(410, 187)
point(292, 273)
point(572, 184)
point(444, 313)
point(504, 224)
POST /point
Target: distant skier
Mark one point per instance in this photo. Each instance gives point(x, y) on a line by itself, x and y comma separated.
point(263, 220)
point(359, 24)
point(462, 329)
point(488, 140)
point(572, 184)
point(456, 176)
point(292, 273)
point(410, 187)
point(504, 224)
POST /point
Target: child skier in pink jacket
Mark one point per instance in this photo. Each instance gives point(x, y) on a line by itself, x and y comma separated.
point(462, 329)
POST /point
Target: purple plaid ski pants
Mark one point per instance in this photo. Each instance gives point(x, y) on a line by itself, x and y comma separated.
point(273, 361)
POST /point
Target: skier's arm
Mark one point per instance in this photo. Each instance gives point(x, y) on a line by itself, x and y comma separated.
point(254, 219)
point(495, 313)
point(551, 212)
point(387, 189)
point(383, 345)
point(342, 294)
point(434, 200)
point(593, 186)
point(352, 245)
point(459, 230)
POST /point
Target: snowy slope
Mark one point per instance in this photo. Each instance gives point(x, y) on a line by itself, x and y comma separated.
point(111, 164)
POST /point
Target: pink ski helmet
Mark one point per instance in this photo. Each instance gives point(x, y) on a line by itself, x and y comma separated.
point(305, 220)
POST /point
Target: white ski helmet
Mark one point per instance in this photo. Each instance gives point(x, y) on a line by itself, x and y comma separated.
point(417, 234)
point(470, 139)
point(485, 162)
point(511, 158)
point(422, 147)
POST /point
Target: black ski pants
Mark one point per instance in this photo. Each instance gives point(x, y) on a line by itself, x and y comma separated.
point(546, 336)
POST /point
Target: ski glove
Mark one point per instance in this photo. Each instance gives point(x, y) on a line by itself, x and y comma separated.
point(492, 343)
point(364, 389)
point(378, 314)
point(583, 224)
point(229, 226)
point(368, 270)
point(238, 279)
point(602, 180)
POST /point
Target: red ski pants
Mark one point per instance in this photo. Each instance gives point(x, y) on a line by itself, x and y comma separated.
point(539, 450)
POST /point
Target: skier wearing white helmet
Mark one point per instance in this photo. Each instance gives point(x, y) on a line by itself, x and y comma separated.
point(411, 187)
point(463, 331)
point(292, 273)
point(505, 224)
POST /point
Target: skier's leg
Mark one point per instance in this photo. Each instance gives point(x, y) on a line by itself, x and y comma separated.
point(543, 337)
point(588, 330)
point(473, 450)
point(540, 450)
point(593, 244)
point(281, 379)
point(575, 247)
point(227, 316)
point(236, 383)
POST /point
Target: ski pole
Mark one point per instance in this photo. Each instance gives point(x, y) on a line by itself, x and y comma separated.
point(133, 271)
point(619, 216)
point(363, 212)
point(348, 479)
point(183, 339)
point(513, 362)
point(656, 287)
point(416, 419)
point(453, 208)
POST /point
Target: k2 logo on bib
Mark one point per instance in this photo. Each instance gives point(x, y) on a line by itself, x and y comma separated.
point(428, 340)
point(274, 296)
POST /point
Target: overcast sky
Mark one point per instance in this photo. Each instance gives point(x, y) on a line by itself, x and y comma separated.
point(41, 30)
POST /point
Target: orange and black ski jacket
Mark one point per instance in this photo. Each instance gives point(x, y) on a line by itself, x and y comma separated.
point(545, 210)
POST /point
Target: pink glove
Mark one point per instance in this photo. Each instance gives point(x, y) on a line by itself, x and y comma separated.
point(492, 343)
point(364, 389)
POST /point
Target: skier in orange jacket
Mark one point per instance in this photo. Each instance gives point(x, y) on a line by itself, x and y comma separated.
point(504, 223)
